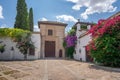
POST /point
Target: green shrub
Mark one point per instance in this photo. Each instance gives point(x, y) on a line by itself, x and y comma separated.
point(105, 46)
point(22, 37)
point(2, 48)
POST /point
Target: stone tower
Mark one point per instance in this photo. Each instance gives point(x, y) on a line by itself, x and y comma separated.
point(52, 36)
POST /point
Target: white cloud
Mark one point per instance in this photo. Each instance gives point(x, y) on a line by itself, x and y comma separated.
point(93, 6)
point(44, 19)
point(1, 15)
point(36, 29)
point(4, 26)
point(66, 18)
point(74, 1)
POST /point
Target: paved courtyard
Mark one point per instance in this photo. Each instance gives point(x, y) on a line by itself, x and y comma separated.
point(53, 69)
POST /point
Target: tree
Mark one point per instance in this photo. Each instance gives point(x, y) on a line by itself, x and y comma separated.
point(31, 19)
point(22, 16)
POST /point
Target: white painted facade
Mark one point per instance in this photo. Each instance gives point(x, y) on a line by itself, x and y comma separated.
point(36, 39)
point(15, 54)
point(82, 41)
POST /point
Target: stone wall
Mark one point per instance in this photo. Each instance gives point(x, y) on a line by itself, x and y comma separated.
point(58, 36)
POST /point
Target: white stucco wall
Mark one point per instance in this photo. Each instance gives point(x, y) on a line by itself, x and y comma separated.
point(36, 39)
point(78, 32)
point(80, 52)
point(8, 54)
point(80, 47)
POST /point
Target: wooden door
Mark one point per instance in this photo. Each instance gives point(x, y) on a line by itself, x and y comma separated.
point(88, 56)
point(49, 48)
point(60, 53)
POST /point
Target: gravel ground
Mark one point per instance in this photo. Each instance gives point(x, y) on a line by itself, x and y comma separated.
point(53, 69)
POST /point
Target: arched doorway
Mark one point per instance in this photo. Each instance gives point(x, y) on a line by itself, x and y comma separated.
point(60, 53)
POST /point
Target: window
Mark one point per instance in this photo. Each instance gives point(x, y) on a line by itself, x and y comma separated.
point(83, 26)
point(80, 59)
point(79, 42)
point(50, 32)
point(79, 50)
point(32, 51)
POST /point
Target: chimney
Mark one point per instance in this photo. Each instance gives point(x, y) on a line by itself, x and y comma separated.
point(78, 20)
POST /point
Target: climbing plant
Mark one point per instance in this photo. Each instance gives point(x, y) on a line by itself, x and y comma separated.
point(21, 37)
point(2, 48)
point(69, 42)
point(105, 46)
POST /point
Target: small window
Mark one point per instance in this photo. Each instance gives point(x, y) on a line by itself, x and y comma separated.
point(79, 50)
point(50, 32)
point(32, 51)
point(80, 59)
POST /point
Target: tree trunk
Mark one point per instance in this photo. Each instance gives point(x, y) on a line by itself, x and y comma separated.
point(25, 56)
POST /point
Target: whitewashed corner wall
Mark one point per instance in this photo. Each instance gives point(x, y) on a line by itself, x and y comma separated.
point(80, 47)
point(36, 39)
point(8, 54)
point(80, 52)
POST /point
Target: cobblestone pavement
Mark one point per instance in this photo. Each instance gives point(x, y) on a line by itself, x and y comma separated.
point(53, 69)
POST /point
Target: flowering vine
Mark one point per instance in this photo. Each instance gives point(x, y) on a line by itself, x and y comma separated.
point(105, 45)
point(104, 26)
point(69, 42)
point(21, 37)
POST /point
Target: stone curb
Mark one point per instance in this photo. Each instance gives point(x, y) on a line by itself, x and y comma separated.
point(106, 68)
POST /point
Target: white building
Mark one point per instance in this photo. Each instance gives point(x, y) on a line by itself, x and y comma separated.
point(48, 43)
point(83, 40)
point(13, 53)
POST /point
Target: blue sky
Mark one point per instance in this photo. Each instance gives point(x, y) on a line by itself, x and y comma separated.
point(67, 11)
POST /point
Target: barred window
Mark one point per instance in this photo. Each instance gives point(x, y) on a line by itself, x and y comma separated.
point(32, 51)
point(50, 32)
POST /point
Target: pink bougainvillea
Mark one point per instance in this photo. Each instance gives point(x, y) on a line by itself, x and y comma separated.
point(103, 27)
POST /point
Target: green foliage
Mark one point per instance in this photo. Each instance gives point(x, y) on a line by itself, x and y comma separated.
point(64, 44)
point(107, 51)
point(22, 37)
point(22, 16)
point(74, 27)
point(72, 32)
point(70, 51)
point(17, 34)
point(83, 26)
point(107, 45)
point(2, 48)
point(31, 19)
